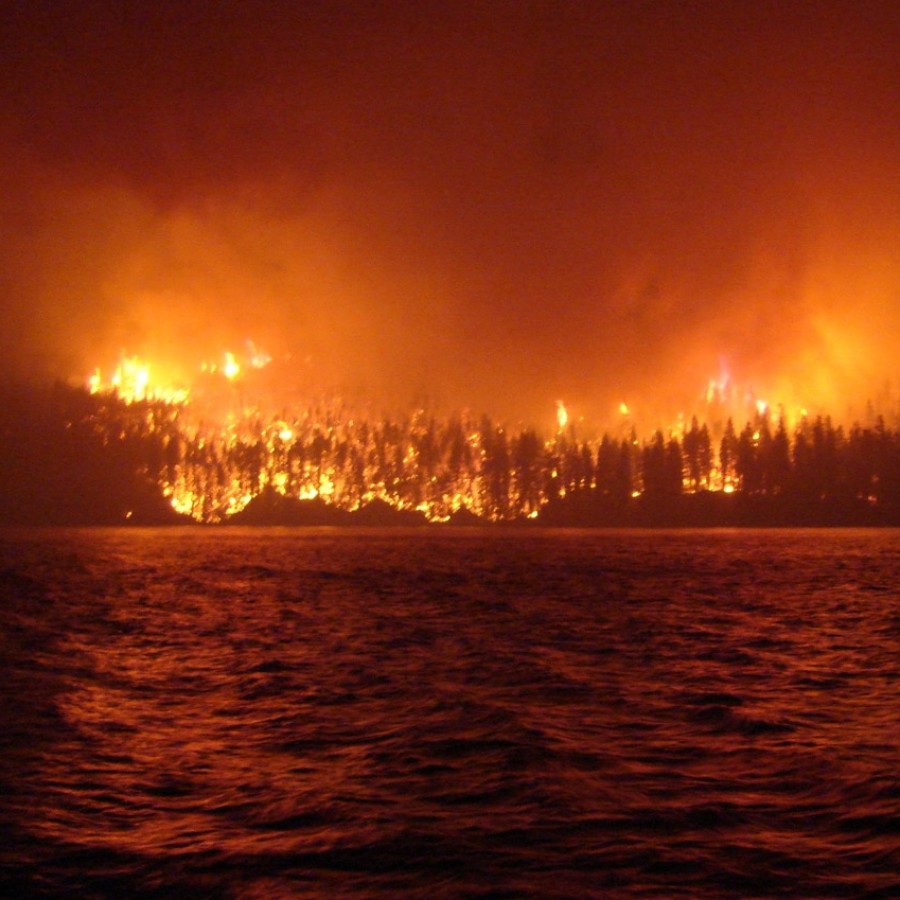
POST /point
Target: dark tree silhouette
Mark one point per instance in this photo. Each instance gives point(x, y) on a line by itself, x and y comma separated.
point(728, 451)
point(66, 455)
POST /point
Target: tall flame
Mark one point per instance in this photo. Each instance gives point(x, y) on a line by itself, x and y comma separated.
point(131, 382)
point(231, 368)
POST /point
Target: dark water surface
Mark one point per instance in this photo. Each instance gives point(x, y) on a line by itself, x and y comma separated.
point(277, 713)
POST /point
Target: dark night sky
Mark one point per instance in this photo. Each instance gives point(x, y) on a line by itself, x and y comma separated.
point(495, 204)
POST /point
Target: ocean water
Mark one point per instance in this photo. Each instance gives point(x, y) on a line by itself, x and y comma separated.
point(470, 713)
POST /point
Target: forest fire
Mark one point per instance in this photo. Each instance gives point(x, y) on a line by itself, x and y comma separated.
point(212, 456)
point(131, 382)
point(507, 266)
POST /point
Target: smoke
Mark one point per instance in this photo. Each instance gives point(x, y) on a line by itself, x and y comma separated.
point(491, 209)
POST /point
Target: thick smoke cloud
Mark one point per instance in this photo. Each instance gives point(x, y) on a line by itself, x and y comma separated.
point(491, 205)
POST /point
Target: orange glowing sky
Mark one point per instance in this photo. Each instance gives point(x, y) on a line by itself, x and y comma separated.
point(494, 205)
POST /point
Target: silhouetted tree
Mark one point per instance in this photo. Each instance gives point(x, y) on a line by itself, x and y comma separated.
point(607, 466)
point(674, 470)
point(728, 451)
point(653, 467)
point(746, 464)
point(625, 478)
point(691, 446)
point(526, 457)
point(776, 461)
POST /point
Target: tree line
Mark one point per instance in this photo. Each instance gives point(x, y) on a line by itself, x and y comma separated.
point(67, 454)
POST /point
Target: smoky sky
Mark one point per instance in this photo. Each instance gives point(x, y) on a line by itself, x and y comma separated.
point(492, 204)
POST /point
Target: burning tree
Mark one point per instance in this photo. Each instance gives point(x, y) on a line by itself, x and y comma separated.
point(126, 444)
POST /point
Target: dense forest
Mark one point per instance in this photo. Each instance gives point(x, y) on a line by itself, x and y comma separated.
point(71, 457)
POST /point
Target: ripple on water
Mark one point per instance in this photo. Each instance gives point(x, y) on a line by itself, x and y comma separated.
point(324, 713)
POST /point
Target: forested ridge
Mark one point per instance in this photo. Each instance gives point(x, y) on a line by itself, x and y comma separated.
point(70, 457)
